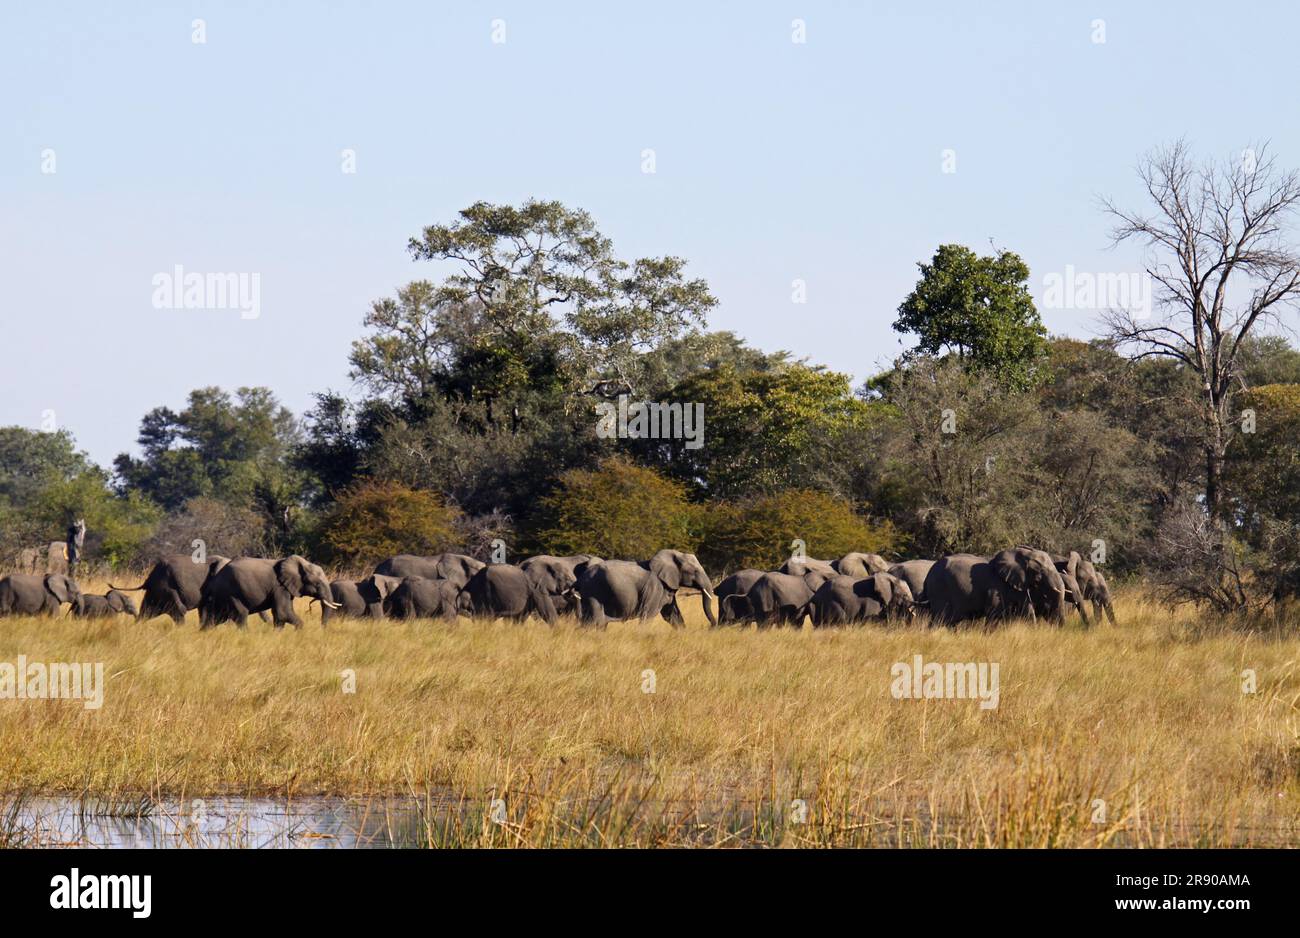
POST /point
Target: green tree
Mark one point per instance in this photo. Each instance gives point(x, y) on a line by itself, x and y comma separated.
point(543, 274)
point(978, 308)
point(973, 466)
point(118, 528)
point(231, 447)
point(765, 431)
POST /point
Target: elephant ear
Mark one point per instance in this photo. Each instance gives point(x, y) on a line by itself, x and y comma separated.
point(116, 600)
point(385, 584)
point(289, 572)
point(64, 589)
point(59, 585)
point(667, 566)
point(1010, 567)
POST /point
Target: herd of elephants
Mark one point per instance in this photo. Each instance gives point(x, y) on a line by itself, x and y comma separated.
point(1020, 582)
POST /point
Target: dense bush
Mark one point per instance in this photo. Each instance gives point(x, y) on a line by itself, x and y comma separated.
point(374, 520)
point(760, 532)
point(618, 510)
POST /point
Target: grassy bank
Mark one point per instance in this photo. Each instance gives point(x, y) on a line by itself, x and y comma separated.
point(1148, 717)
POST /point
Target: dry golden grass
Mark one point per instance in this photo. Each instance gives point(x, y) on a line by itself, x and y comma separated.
point(1149, 717)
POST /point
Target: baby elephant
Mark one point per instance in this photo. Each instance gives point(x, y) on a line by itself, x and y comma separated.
point(420, 598)
point(112, 603)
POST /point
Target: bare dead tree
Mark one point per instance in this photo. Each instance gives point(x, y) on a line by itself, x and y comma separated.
point(1221, 266)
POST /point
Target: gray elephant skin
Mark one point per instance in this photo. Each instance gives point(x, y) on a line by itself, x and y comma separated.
point(1092, 584)
point(174, 585)
point(419, 598)
point(253, 584)
point(504, 591)
point(358, 599)
point(860, 565)
point(1012, 583)
point(913, 573)
point(33, 595)
point(113, 603)
point(845, 600)
point(457, 568)
point(623, 589)
point(776, 599)
point(558, 577)
point(802, 566)
point(737, 584)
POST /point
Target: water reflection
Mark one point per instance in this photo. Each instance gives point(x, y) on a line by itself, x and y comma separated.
point(223, 822)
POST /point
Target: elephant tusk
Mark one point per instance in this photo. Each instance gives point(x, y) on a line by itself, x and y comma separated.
point(326, 602)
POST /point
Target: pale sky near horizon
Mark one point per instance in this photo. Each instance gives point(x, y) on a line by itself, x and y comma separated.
point(775, 161)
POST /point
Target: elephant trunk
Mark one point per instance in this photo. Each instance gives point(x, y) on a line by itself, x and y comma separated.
point(1110, 612)
point(706, 597)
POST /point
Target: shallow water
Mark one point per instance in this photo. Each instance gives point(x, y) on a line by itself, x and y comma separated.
point(312, 823)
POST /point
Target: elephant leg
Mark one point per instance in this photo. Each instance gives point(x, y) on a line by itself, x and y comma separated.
point(672, 614)
point(593, 613)
point(282, 612)
point(174, 606)
point(239, 612)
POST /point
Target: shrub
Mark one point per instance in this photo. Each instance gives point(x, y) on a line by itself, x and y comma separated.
point(619, 510)
point(226, 529)
point(373, 520)
point(759, 533)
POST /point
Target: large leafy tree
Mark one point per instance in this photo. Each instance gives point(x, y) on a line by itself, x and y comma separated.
point(545, 281)
point(979, 309)
point(231, 447)
point(45, 482)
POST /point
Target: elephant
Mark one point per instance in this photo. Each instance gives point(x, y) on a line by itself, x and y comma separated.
point(174, 585)
point(32, 595)
point(736, 585)
point(913, 573)
point(779, 597)
point(860, 565)
point(802, 566)
point(457, 568)
point(557, 577)
point(358, 598)
point(624, 589)
point(112, 603)
point(1073, 592)
point(843, 600)
point(419, 598)
point(254, 584)
point(1091, 583)
point(1017, 582)
point(504, 591)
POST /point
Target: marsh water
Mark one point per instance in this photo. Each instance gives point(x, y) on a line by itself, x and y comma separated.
point(388, 822)
point(311, 823)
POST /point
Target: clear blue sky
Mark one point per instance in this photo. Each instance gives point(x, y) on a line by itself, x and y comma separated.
point(775, 161)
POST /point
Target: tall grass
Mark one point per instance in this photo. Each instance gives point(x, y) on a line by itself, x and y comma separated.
point(509, 735)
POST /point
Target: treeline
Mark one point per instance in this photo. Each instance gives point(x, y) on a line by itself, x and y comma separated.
point(476, 422)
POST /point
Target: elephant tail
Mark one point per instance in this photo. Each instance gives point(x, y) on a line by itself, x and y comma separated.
point(129, 589)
